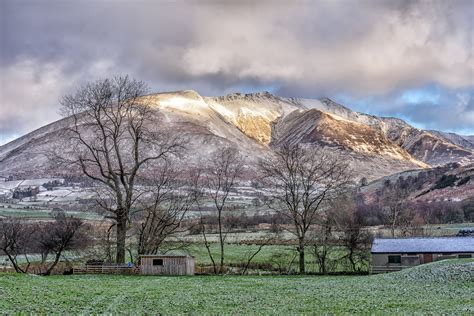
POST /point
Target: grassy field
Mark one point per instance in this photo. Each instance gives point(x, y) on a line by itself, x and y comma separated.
point(439, 288)
point(278, 256)
point(33, 214)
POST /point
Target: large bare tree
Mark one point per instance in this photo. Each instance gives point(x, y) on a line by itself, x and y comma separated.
point(112, 142)
point(218, 179)
point(301, 181)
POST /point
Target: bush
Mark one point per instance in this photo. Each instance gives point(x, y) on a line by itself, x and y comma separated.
point(464, 181)
point(445, 181)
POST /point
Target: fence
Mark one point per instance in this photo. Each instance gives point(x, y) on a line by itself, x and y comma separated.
point(383, 269)
point(106, 269)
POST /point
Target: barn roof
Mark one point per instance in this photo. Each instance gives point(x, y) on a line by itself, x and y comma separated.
point(173, 253)
point(419, 245)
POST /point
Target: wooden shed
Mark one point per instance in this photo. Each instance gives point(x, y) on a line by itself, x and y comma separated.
point(394, 254)
point(163, 264)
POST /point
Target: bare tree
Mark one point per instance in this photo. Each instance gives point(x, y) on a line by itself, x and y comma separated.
point(355, 238)
point(322, 239)
point(162, 211)
point(301, 181)
point(112, 142)
point(16, 240)
point(267, 240)
point(395, 203)
point(284, 260)
point(219, 178)
point(64, 233)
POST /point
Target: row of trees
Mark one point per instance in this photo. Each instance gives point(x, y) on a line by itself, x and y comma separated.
point(394, 207)
point(114, 139)
point(18, 240)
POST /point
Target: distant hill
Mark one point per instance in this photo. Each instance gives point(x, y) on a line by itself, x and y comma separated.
point(257, 124)
point(452, 182)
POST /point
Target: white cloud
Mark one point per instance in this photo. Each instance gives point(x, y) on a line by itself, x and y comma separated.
point(360, 49)
point(393, 48)
point(30, 90)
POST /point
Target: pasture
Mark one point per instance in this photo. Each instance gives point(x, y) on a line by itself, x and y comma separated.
point(439, 288)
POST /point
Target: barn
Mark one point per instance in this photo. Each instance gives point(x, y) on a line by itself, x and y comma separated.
point(167, 264)
point(394, 254)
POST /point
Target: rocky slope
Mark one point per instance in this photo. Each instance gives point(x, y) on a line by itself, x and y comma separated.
point(257, 124)
point(432, 147)
point(452, 182)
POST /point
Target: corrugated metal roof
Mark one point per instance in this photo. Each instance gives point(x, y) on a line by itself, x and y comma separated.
point(171, 253)
point(434, 244)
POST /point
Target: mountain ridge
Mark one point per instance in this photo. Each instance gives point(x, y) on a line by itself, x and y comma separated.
point(258, 123)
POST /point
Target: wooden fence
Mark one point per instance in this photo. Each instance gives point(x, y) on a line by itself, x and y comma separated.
point(106, 269)
point(384, 269)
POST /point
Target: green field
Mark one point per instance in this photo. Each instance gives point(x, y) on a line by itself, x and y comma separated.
point(283, 256)
point(440, 288)
point(32, 213)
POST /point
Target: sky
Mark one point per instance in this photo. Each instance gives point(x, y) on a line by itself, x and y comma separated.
point(408, 59)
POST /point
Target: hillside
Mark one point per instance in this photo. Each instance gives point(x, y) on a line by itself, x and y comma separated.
point(432, 147)
point(451, 182)
point(257, 124)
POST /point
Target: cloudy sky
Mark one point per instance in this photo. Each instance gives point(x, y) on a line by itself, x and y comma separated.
point(408, 59)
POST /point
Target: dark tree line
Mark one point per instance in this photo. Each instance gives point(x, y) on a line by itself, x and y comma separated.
point(19, 240)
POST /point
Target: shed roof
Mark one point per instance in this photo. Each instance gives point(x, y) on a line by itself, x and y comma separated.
point(420, 245)
point(165, 256)
point(173, 253)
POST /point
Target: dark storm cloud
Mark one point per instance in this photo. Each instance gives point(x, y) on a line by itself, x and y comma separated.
point(360, 49)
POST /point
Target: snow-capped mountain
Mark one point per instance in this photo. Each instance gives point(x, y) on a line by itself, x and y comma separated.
point(257, 124)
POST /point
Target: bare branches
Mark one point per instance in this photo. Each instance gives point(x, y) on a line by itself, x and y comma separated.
point(64, 233)
point(112, 139)
point(302, 181)
point(220, 177)
point(15, 241)
point(396, 204)
point(355, 238)
point(163, 208)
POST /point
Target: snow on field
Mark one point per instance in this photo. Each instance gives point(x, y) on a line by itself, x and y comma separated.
point(64, 195)
point(10, 185)
point(38, 182)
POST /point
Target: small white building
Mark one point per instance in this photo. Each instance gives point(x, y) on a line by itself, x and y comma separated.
point(394, 254)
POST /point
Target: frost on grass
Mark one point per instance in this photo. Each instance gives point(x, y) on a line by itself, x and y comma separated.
point(415, 291)
point(442, 271)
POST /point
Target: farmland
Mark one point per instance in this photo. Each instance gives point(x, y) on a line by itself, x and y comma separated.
point(442, 287)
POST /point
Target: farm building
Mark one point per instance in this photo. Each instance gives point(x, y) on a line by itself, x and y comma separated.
point(23, 192)
point(394, 254)
point(163, 264)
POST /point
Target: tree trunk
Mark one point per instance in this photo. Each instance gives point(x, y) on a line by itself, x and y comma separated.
point(121, 236)
point(221, 242)
point(51, 267)
point(15, 264)
point(351, 260)
point(394, 222)
point(301, 253)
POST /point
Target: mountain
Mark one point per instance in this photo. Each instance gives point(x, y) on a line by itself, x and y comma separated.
point(432, 147)
point(452, 182)
point(463, 141)
point(257, 124)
